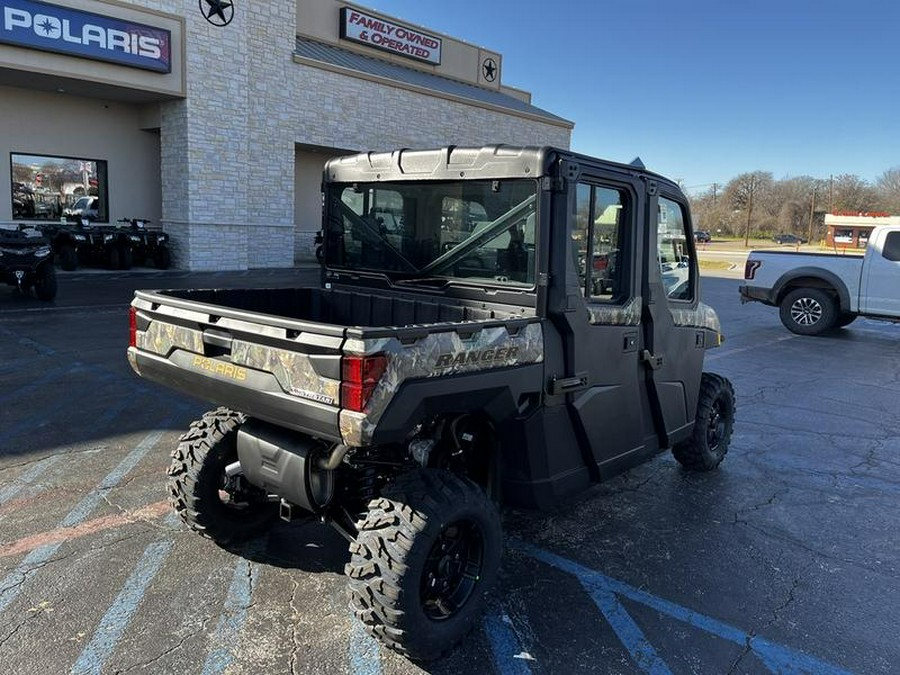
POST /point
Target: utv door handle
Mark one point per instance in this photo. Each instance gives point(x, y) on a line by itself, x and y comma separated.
point(566, 385)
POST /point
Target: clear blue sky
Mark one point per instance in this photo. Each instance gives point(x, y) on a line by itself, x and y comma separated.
point(702, 90)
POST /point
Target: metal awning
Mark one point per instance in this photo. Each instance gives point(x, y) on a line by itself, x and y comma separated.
point(330, 55)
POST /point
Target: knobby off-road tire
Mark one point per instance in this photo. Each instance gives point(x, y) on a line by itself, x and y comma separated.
point(808, 311)
point(197, 477)
point(708, 444)
point(427, 553)
point(126, 257)
point(68, 258)
point(45, 282)
point(163, 258)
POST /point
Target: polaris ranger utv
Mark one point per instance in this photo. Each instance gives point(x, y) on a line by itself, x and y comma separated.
point(459, 355)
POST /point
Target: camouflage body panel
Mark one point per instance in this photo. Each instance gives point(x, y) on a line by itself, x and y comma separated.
point(702, 317)
point(160, 338)
point(293, 370)
point(628, 314)
point(436, 355)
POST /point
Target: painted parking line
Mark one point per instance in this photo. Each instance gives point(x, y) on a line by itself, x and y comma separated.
point(509, 657)
point(27, 342)
point(234, 613)
point(61, 534)
point(26, 478)
point(11, 585)
point(364, 651)
point(776, 657)
point(117, 617)
point(737, 350)
point(38, 383)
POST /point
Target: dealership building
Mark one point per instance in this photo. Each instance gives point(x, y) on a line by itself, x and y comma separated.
point(215, 118)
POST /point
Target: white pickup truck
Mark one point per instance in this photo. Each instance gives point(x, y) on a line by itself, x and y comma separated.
point(819, 291)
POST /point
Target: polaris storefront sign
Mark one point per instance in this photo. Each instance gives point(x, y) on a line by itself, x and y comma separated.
point(52, 28)
point(395, 38)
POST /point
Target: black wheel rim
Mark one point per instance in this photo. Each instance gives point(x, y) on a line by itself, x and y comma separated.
point(715, 428)
point(452, 569)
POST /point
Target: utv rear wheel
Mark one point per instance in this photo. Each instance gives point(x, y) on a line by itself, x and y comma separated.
point(45, 282)
point(808, 311)
point(706, 447)
point(427, 553)
point(225, 510)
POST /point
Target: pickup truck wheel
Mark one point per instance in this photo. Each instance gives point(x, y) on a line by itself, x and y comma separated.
point(427, 553)
point(708, 444)
point(808, 311)
point(845, 319)
point(201, 493)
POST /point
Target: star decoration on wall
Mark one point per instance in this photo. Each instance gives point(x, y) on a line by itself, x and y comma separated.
point(217, 12)
point(489, 69)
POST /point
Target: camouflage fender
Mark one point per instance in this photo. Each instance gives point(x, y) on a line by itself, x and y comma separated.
point(702, 317)
point(436, 355)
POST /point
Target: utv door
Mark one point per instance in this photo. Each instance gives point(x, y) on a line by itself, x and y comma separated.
point(609, 398)
point(674, 340)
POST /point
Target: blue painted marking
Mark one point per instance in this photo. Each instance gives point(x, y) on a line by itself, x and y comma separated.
point(38, 383)
point(11, 584)
point(237, 602)
point(115, 621)
point(631, 637)
point(777, 657)
point(364, 650)
point(43, 350)
point(31, 421)
point(26, 478)
point(504, 644)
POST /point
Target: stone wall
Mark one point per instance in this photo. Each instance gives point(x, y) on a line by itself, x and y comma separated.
point(228, 149)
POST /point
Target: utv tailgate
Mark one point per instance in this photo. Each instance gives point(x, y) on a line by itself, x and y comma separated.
point(281, 370)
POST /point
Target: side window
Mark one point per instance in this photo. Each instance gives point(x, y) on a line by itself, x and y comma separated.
point(676, 262)
point(597, 234)
point(892, 247)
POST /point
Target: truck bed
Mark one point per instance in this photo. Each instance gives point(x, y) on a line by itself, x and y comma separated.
point(276, 354)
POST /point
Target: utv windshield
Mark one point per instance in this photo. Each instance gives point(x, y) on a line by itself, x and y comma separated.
point(483, 231)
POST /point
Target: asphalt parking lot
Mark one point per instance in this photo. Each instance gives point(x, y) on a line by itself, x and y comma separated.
point(784, 560)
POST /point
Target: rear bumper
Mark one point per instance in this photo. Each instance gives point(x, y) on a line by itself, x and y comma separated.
point(756, 294)
point(259, 395)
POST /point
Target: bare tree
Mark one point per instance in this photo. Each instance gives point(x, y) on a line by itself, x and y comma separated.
point(745, 191)
point(887, 185)
point(852, 193)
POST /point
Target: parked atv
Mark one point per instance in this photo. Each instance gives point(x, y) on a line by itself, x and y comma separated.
point(148, 244)
point(86, 243)
point(27, 262)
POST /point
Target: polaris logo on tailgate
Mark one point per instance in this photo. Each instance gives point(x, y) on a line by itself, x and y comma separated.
point(484, 356)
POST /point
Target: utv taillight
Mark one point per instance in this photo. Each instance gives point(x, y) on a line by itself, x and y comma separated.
point(132, 326)
point(750, 268)
point(359, 375)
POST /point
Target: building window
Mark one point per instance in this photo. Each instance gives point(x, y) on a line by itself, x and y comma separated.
point(49, 188)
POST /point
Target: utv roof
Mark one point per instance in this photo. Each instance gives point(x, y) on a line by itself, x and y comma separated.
point(453, 162)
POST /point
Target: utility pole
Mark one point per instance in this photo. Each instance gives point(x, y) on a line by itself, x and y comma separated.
point(831, 193)
point(715, 188)
point(812, 214)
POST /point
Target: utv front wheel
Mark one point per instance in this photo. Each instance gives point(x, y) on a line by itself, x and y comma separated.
point(226, 510)
point(427, 553)
point(706, 447)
